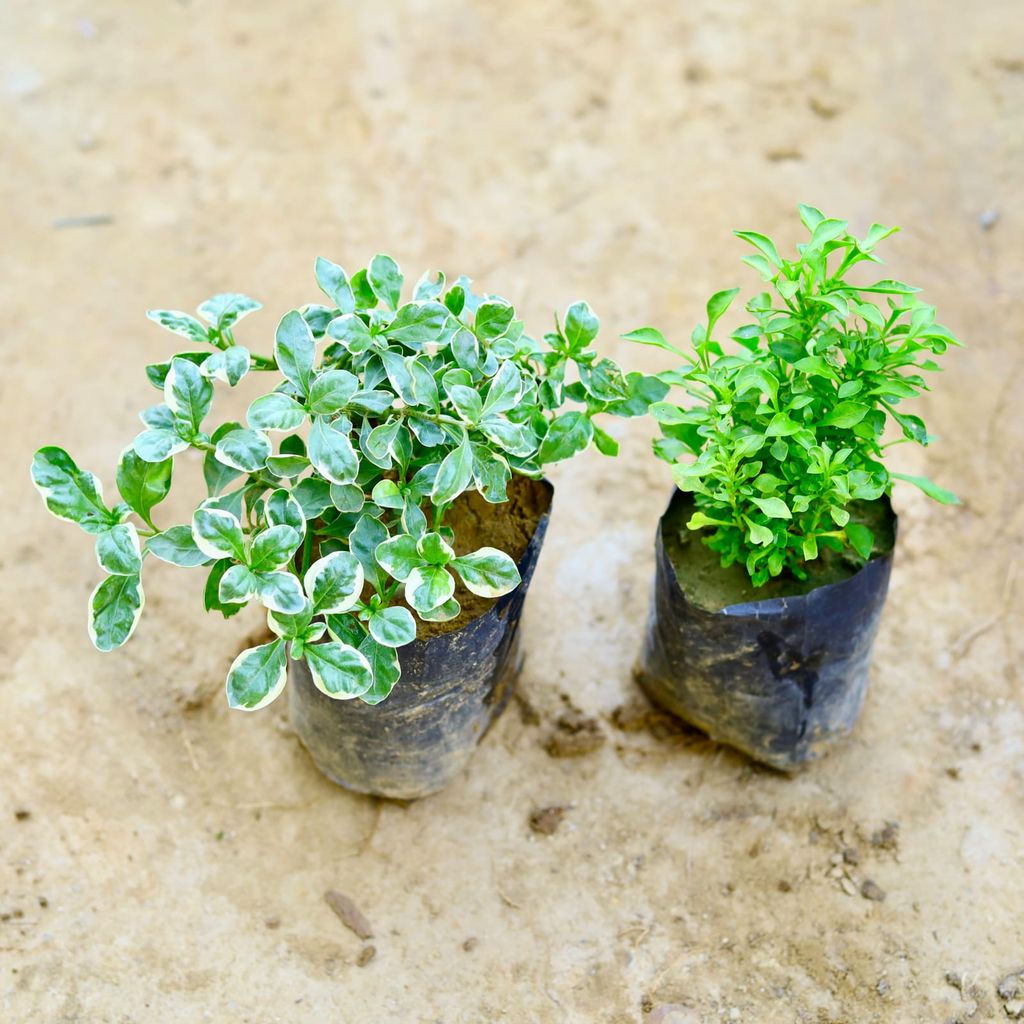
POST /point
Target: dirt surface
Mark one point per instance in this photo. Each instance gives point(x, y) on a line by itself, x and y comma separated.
point(165, 859)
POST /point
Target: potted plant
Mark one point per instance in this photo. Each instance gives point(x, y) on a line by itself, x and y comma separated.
point(773, 558)
point(392, 530)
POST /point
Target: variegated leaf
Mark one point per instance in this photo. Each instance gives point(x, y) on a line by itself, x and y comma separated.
point(257, 676)
point(114, 610)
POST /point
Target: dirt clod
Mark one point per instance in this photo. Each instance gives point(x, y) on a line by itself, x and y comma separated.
point(574, 735)
point(22, 814)
point(887, 837)
point(366, 954)
point(349, 914)
point(470, 944)
point(545, 820)
point(871, 890)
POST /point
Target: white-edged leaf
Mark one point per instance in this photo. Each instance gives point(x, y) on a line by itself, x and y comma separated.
point(418, 323)
point(188, 394)
point(238, 585)
point(332, 454)
point(257, 676)
point(284, 510)
point(273, 548)
point(398, 556)
point(295, 350)
point(158, 445)
point(276, 411)
point(386, 668)
point(442, 613)
point(229, 365)
point(180, 323)
point(245, 450)
point(334, 284)
point(118, 551)
point(454, 476)
point(70, 493)
point(226, 309)
point(385, 279)
point(177, 546)
point(338, 670)
point(429, 586)
point(393, 627)
point(580, 326)
point(218, 534)
point(506, 386)
point(330, 392)
point(488, 572)
point(351, 332)
point(334, 583)
point(114, 610)
point(281, 591)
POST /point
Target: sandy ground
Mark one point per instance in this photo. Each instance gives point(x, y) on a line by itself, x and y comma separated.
point(165, 860)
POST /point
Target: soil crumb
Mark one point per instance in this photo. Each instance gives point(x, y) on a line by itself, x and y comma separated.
point(349, 914)
point(545, 820)
point(639, 715)
point(574, 734)
point(477, 524)
point(707, 585)
point(366, 955)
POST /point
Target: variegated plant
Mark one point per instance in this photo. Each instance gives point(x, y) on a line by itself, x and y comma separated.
point(388, 412)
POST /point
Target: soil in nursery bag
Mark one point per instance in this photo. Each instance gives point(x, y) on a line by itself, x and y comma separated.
point(457, 676)
point(707, 585)
point(478, 523)
point(779, 671)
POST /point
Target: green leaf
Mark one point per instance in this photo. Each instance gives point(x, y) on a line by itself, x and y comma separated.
point(763, 244)
point(605, 443)
point(332, 454)
point(387, 494)
point(434, 549)
point(276, 411)
point(774, 508)
point(211, 591)
point(933, 490)
point(386, 670)
point(398, 556)
point(179, 323)
point(717, 305)
point(218, 534)
point(393, 627)
point(142, 484)
point(429, 586)
point(781, 426)
point(295, 350)
point(488, 572)
point(443, 612)
point(861, 539)
point(347, 497)
point(580, 326)
point(274, 547)
point(338, 670)
point(845, 414)
point(188, 395)
point(454, 476)
point(238, 585)
point(156, 373)
point(758, 533)
point(567, 434)
point(70, 493)
point(226, 309)
point(178, 547)
point(331, 392)
point(118, 551)
point(810, 215)
point(333, 282)
point(652, 336)
point(334, 583)
point(825, 231)
point(257, 676)
point(385, 279)
point(313, 495)
point(245, 450)
point(114, 611)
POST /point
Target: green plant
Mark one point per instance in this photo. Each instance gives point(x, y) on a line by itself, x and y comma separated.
point(788, 428)
point(399, 409)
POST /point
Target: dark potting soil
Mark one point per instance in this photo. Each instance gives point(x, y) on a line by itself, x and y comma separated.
point(477, 524)
point(707, 585)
